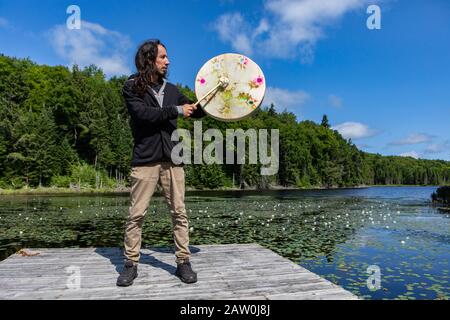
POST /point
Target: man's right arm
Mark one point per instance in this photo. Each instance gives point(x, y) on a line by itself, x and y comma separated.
point(141, 112)
point(194, 113)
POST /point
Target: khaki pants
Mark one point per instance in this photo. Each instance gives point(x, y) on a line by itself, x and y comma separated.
point(143, 184)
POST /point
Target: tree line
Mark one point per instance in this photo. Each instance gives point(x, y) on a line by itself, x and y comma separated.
point(70, 128)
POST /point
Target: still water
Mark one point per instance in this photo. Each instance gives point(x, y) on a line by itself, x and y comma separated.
point(337, 234)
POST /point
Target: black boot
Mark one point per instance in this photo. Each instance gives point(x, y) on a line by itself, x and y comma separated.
point(185, 272)
point(128, 274)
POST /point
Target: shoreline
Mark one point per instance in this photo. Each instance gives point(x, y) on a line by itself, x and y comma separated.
point(92, 191)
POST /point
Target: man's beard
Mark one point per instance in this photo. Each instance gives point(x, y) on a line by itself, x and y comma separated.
point(158, 76)
point(162, 74)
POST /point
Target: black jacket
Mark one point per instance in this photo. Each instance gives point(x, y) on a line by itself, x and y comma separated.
point(151, 125)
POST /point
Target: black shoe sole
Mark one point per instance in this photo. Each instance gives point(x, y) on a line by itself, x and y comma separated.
point(126, 284)
point(186, 280)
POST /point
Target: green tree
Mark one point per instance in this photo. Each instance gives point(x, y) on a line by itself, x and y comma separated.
point(324, 122)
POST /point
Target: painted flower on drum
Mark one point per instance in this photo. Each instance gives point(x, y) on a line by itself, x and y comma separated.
point(217, 64)
point(201, 80)
point(256, 83)
point(252, 103)
point(243, 62)
point(249, 100)
point(244, 96)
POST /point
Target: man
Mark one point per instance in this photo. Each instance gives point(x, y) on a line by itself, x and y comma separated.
point(154, 105)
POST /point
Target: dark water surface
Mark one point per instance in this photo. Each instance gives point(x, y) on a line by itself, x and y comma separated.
point(337, 234)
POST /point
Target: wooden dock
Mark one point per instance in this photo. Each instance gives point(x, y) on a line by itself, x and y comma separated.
point(238, 271)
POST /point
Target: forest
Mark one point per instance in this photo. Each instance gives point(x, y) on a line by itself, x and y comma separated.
point(69, 128)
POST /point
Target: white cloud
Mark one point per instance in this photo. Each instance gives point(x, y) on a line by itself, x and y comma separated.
point(3, 22)
point(335, 101)
point(287, 29)
point(354, 130)
point(92, 44)
point(283, 98)
point(363, 145)
point(233, 28)
point(412, 154)
point(414, 138)
point(438, 147)
point(434, 148)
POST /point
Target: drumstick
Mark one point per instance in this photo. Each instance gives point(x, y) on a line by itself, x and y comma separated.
point(223, 82)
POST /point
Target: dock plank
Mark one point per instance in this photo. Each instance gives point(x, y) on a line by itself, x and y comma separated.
point(231, 271)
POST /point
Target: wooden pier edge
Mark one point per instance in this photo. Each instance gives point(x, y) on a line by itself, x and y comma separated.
point(225, 272)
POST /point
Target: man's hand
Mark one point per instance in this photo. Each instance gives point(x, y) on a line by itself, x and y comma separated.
point(188, 109)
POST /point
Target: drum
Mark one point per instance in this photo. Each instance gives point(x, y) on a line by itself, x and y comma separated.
point(230, 87)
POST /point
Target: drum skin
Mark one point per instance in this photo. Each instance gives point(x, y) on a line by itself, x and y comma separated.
point(241, 97)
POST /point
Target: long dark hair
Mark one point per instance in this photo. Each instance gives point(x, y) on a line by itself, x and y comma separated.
point(145, 64)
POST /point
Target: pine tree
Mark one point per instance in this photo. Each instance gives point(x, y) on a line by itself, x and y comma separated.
point(325, 121)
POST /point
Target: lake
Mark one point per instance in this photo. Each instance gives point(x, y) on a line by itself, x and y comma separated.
point(342, 235)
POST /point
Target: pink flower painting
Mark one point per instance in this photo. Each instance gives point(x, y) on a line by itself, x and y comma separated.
point(243, 62)
point(256, 83)
point(201, 80)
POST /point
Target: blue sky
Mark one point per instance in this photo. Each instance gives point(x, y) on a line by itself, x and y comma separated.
point(387, 89)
